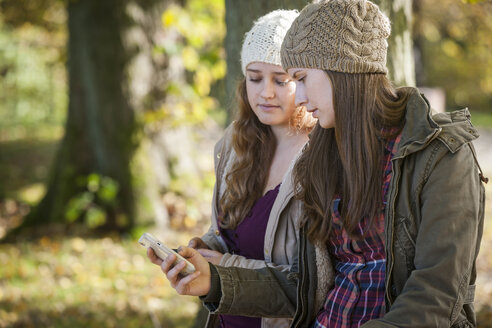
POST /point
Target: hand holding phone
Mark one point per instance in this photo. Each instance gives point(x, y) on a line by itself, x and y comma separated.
point(162, 251)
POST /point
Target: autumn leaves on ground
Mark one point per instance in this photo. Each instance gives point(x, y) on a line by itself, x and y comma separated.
point(95, 282)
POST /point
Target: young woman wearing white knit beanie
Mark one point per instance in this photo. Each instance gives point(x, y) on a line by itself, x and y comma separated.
point(255, 216)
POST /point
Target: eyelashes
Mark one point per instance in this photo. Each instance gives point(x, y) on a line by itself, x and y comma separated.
point(280, 83)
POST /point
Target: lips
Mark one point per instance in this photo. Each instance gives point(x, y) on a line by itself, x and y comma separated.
point(313, 111)
point(268, 107)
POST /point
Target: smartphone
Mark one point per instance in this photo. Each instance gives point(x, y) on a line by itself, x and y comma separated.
point(162, 251)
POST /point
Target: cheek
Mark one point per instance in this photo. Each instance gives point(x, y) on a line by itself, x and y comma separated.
point(288, 94)
point(317, 96)
point(251, 92)
point(291, 87)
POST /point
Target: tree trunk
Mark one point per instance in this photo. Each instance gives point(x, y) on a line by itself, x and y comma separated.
point(240, 16)
point(106, 41)
point(401, 64)
point(100, 124)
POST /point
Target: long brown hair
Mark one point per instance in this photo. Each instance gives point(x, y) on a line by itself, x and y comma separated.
point(345, 161)
point(254, 144)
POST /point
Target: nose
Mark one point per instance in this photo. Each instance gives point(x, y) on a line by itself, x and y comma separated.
point(268, 90)
point(301, 99)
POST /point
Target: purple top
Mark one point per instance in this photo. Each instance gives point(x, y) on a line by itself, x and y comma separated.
point(248, 240)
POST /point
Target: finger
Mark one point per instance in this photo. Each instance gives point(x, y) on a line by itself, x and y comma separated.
point(192, 243)
point(189, 278)
point(167, 263)
point(207, 252)
point(186, 252)
point(200, 244)
point(152, 257)
point(173, 274)
point(195, 242)
point(182, 286)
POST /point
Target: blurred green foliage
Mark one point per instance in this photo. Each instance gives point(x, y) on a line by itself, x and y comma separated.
point(198, 30)
point(455, 40)
point(33, 97)
point(482, 119)
point(201, 29)
point(92, 205)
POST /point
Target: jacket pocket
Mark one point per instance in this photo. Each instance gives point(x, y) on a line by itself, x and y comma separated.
point(405, 241)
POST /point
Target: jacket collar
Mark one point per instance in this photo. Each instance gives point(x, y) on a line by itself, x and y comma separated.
point(454, 129)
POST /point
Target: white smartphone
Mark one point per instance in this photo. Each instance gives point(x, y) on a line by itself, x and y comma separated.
point(162, 251)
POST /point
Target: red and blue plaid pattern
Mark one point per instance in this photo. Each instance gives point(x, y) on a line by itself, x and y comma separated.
point(360, 266)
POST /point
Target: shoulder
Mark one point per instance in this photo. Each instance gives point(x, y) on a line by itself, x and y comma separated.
point(456, 129)
point(430, 140)
point(453, 148)
point(224, 145)
point(224, 151)
point(423, 127)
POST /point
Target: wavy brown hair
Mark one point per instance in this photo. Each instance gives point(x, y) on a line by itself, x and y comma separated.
point(254, 144)
point(347, 160)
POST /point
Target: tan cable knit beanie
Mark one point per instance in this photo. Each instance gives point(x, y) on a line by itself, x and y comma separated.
point(339, 35)
point(262, 43)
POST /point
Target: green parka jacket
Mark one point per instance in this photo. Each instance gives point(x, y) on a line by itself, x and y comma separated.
point(433, 227)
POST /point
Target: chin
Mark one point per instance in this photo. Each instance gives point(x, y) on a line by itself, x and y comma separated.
point(272, 120)
point(266, 121)
point(326, 126)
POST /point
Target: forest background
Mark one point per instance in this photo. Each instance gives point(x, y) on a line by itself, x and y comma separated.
point(109, 111)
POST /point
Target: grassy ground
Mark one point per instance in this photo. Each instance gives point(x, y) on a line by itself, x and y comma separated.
point(99, 282)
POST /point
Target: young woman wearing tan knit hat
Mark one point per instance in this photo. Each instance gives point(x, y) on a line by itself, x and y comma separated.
point(254, 213)
point(393, 195)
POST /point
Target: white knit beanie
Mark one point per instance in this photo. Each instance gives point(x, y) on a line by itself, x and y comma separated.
point(262, 43)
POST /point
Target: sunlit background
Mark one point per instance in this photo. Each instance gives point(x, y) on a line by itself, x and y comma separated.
point(80, 265)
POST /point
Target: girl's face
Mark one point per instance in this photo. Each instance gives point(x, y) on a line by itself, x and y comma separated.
point(271, 93)
point(315, 91)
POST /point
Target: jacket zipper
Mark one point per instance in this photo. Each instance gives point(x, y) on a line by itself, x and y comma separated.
point(389, 246)
point(391, 214)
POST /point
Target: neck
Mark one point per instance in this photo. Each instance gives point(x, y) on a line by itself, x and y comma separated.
point(288, 146)
point(286, 138)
